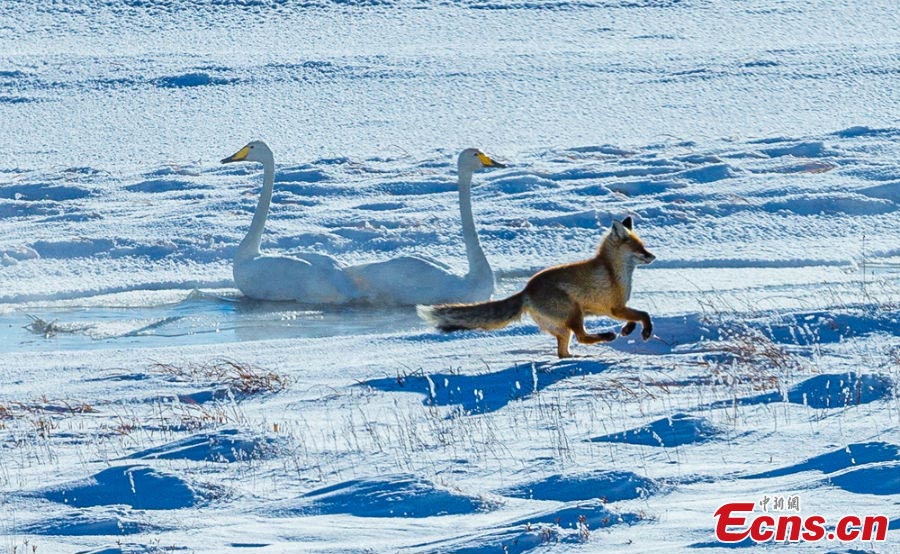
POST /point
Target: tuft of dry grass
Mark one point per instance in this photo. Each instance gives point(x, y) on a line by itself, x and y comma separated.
point(194, 417)
point(45, 416)
point(757, 361)
point(751, 347)
point(238, 377)
point(18, 409)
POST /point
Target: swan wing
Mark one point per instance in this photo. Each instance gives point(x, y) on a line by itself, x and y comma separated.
point(405, 280)
point(311, 280)
point(320, 260)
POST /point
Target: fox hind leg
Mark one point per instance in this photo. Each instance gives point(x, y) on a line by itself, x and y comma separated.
point(550, 308)
point(562, 343)
point(557, 329)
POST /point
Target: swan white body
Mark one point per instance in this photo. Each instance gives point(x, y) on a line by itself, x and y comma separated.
point(411, 280)
point(309, 278)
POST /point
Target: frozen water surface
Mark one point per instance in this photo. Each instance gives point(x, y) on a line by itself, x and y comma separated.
point(201, 318)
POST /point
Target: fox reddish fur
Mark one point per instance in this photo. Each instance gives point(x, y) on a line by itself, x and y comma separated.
point(558, 298)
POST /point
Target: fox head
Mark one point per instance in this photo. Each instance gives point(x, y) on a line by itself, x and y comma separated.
point(627, 244)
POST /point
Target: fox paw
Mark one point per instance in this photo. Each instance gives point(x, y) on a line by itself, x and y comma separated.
point(647, 332)
point(628, 328)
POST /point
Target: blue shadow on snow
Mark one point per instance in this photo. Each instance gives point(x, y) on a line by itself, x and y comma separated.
point(226, 446)
point(678, 430)
point(843, 458)
point(487, 392)
point(80, 525)
point(404, 496)
point(608, 486)
point(832, 390)
point(542, 529)
point(879, 480)
point(140, 487)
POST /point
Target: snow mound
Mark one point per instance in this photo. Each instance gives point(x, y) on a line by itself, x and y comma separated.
point(11, 255)
point(678, 430)
point(381, 206)
point(43, 191)
point(813, 204)
point(488, 392)
point(124, 548)
point(880, 480)
point(85, 524)
point(73, 248)
point(140, 487)
point(164, 185)
point(608, 486)
point(589, 219)
point(227, 445)
point(312, 190)
point(887, 191)
point(746, 543)
point(567, 525)
point(405, 496)
point(521, 183)
point(301, 176)
point(707, 174)
point(852, 455)
point(865, 131)
point(811, 149)
point(408, 188)
point(639, 188)
point(837, 390)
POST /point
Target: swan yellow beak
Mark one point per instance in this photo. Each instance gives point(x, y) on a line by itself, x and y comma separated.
point(238, 156)
point(486, 161)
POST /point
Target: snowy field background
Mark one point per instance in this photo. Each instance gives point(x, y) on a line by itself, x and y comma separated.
point(146, 407)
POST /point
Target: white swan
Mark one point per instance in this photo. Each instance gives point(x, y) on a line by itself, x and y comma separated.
point(411, 280)
point(311, 278)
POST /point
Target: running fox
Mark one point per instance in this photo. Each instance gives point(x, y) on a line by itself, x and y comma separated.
point(559, 297)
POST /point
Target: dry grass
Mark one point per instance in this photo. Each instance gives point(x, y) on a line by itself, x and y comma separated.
point(44, 417)
point(12, 410)
point(193, 417)
point(751, 347)
point(238, 377)
point(757, 362)
point(629, 389)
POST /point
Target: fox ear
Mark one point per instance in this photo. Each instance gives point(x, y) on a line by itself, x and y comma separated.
point(628, 223)
point(618, 229)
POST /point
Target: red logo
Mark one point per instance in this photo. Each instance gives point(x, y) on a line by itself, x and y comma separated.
point(736, 521)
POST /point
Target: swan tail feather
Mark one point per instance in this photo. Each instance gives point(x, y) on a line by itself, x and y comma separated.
point(483, 315)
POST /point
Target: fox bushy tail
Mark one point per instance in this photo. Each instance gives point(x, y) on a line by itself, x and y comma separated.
point(483, 315)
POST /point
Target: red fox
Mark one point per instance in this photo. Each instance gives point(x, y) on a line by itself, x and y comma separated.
point(559, 297)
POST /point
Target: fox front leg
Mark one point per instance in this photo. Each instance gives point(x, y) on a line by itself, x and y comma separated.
point(631, 316)
point(628, 328)
point(576, 324)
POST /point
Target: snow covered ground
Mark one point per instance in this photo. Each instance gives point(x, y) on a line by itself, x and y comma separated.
point(145, 406)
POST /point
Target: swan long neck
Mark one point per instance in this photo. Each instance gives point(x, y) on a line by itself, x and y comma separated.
point(250, 245)
point(478, 263)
